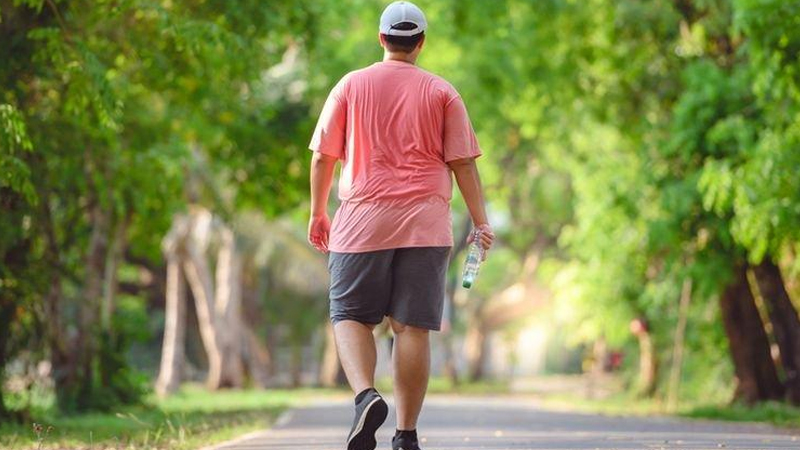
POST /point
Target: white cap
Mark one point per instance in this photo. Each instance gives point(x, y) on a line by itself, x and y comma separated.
point(399, 12)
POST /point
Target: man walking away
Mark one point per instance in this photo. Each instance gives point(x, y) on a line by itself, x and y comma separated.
point(399, 132)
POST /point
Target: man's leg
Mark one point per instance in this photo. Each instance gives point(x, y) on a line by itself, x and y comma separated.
point(411, 365)
point(418, 288)
point(360, 290)
point(356, 346)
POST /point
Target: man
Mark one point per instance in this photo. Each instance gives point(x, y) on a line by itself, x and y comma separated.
point(400, 132)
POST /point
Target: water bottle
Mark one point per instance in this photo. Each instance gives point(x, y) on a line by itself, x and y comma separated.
point(474, 259)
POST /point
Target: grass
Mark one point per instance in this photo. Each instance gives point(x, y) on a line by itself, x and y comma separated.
point(192, 418)
point(779, 414)
point(622, 404)
point(443, 385)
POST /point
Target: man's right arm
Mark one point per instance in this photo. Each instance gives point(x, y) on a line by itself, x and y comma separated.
point(319, 225)
point(328, 144)
point(469, 183)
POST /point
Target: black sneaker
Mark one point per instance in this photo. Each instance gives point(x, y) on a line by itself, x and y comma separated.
point(405, 441)
point(371, 411)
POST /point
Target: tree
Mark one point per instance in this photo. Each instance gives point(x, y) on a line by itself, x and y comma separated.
point(18, 271)
point(217, 299)
point(757, 379)
point(785, 324)
point(120, 101)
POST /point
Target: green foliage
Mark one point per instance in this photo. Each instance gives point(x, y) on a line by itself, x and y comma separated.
point(14, 173)
point(700, 407)
point(759, 187)
point(654, 142)
point(628, 145)
point(115, 116)
point(498, 271)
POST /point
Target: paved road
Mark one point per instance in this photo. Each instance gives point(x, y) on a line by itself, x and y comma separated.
point(450, 423)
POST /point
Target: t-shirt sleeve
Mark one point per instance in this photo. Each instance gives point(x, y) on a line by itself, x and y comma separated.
point(330, 133)
point(459, 137)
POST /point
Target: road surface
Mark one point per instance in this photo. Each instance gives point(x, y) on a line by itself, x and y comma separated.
point(499, 423)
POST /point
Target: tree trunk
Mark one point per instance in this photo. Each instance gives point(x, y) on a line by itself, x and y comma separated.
point(450, 369)
point(255, 354)
point(8, 310)
point(598, 367)
point(58, 342)
point(256, 357)
point(218, 299)
point(329, 369)
point(199, 278)
point(785, 324)
point(272, 348)
point(86, 347)
point(174, 346)
point(475, 349)
point(218, 310)
point(757, 378)
point(62, 360)
point(111, 345)
point(228, 309)
point(115, 252)
point(678, 345)
point(296, 369)
point(600, 356)
point(648, 364)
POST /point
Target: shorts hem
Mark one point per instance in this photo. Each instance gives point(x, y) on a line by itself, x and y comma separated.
point(424, 325)
point(337, 319)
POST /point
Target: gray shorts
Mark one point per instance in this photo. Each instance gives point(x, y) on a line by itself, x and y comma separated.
point(407, 284)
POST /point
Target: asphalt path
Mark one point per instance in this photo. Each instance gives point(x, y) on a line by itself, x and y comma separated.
point(499, 423)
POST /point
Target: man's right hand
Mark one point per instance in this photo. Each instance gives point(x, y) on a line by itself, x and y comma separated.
point(319, 228)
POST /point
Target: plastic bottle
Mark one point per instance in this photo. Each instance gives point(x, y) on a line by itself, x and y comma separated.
point(474, 259)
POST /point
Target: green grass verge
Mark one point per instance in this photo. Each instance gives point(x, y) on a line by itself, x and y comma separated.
point(190, 419)
point(614, 405)
point(779, 414)
point(622, 404)
point(443, 385)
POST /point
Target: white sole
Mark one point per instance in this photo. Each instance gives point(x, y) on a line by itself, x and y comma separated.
point(362, 419)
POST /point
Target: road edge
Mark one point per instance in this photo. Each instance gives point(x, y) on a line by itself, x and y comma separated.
point(283, 418)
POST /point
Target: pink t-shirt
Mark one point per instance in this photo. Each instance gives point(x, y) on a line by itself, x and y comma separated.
point(394, 126)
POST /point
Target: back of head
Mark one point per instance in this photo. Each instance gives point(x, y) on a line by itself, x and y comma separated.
point(403, 26)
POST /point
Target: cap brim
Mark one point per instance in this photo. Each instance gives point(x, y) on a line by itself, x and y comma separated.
point(413, 32)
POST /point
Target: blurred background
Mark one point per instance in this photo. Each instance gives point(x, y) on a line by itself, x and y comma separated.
point(640, 161)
